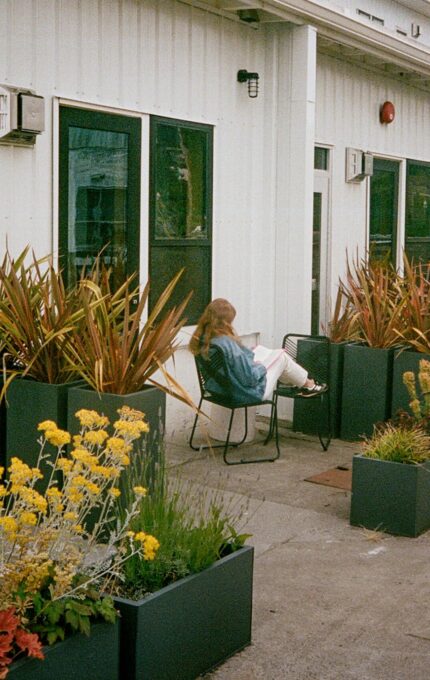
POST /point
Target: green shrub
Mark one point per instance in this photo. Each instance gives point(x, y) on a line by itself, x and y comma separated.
point(194, 525)
point(400, 444)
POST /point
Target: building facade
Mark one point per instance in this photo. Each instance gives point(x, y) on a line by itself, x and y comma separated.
point(153, 149)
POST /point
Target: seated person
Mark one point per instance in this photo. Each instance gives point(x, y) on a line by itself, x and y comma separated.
point(252, 374)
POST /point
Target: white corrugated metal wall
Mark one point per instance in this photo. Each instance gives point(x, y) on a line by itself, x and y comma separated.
point(347, 115)
point(149, 56)
point(168, 58)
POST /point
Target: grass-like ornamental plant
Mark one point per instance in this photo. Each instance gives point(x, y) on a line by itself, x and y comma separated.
point(376, 304)
point(55, 559)
point(117, 349)
point(399, 444)
point(195, 526)
point(415, 287)
point(343, 323)
point(37, 317)
point(382, 307)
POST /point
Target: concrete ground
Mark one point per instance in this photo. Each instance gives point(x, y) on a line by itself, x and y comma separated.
point(331, 601)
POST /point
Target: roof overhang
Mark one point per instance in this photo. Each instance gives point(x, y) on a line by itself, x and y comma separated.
point(339, 34)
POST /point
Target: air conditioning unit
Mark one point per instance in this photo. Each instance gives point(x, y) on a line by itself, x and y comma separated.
point(359, 165)
point(22, 116)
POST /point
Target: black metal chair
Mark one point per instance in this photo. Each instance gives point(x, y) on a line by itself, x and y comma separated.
point(313, 353)
point(215, 367)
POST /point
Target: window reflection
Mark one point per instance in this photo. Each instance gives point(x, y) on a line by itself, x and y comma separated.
point(383, 211)
point(98, 180)
point(180, 183)
point(417, 242)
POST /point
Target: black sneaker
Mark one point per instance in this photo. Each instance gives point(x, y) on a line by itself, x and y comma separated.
point(314, 391)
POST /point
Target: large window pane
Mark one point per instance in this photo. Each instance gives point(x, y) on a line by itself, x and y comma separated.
point(180, 183)
point(181, 210)
point(383, 210)
point(97, 199)
point(99, 192)
point(417, 226)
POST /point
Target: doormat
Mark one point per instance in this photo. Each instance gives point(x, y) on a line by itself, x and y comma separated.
point(340, 477)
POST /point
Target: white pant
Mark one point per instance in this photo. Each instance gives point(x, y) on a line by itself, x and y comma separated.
point(287, 371)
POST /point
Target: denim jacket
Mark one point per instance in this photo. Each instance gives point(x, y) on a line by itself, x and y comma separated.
point(247, 378)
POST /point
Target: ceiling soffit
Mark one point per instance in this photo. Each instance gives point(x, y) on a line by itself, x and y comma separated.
point(338, 36)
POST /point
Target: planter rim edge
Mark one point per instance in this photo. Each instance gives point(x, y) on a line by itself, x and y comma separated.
point(189, 577)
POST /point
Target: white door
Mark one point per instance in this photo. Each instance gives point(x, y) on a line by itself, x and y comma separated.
point(320, 254)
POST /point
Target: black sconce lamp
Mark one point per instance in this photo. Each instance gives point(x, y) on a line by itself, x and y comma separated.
point(244, 76)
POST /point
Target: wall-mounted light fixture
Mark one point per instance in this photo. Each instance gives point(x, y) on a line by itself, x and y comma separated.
point(250, 16)
point(244, 76)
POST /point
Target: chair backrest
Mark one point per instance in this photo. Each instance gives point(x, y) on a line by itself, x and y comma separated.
point(310, 351)
point(212, 367)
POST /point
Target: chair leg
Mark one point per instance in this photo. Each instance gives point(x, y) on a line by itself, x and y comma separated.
point(252, 460)
point(324, 441)
point(224, 455)
point(273, 419)
point(202, 447)
point(195, 448)
point(275, 415)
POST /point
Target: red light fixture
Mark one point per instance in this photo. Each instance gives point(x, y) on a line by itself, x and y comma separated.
point(387, 113)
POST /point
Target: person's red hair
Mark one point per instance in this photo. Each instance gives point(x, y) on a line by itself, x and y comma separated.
point(215, 321)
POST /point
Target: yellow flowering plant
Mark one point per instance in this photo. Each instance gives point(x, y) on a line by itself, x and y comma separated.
point(419, 390)
point(60, 547)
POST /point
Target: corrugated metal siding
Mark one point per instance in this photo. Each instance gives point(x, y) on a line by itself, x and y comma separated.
point(394, 15)
point(150, 56)
point(347, 115)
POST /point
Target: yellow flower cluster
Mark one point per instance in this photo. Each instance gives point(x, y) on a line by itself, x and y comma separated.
point(39, 541)
point(140, 490)
point(28, 569)
point(149, 543)
point(21, 473)
point(53, 434)
point(91, 419)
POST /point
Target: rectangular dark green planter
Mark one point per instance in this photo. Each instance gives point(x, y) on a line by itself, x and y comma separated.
point(404, 360)
point(367, 389)
point(190, 626)
point(307, 412)
point(391, 497)
point(78, 657)
point(29, 402)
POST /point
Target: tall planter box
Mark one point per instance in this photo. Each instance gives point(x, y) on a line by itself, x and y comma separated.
point(2, 428)
point(95, 657)
point(392, 497)
point(404, 360)
point(190, 626)
point(367, 389)
point(307, 412)
point(150, 400)
point(29, 402)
